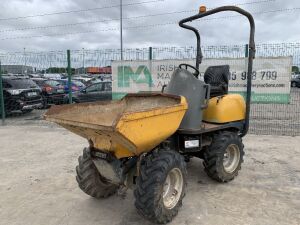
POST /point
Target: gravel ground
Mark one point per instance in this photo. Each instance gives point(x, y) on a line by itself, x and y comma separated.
point(38, 184)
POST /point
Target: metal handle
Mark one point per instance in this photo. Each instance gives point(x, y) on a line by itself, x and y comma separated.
point(207, 96)
point(163, 88)
point(251, 49)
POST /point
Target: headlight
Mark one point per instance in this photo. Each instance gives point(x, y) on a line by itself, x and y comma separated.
point(14, 92)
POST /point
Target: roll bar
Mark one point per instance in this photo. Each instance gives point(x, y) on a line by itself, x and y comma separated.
point(251, 49)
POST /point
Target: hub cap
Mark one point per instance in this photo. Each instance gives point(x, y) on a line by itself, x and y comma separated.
point(231, 158)
point(172, 188)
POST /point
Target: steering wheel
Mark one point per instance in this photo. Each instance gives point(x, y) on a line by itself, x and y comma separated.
point(196, 72)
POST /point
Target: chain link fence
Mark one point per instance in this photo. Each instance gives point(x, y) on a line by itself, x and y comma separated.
point(49, 71)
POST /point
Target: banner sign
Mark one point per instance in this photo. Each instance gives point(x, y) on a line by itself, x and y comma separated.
point(270, 78)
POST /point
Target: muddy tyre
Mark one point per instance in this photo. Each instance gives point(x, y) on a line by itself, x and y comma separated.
point(223, 158)
point(160, 187)
point(27, 111)
point(90, 180)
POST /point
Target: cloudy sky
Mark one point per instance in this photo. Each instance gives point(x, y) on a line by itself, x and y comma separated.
point(145, 23)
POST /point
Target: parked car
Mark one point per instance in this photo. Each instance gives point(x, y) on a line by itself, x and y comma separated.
point(94, 80)
point(34, 75)
point(95, 92)
point(21, 94)
point(82, 78)
point(54, 76)
point(52, 91)
point(24, 76)
point(64, 76)
point(105, 77)
point(295, 82)
point(76, 85)
point(294, 75)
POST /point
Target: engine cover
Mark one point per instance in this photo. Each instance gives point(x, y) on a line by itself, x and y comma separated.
point(224, 109)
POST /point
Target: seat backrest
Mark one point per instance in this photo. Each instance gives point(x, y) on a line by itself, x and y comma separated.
point(217, 77)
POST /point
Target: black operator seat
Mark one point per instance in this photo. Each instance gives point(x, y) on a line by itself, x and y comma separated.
point(217, 77)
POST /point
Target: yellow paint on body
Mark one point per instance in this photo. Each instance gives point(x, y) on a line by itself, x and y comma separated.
point(224, 109)
point(129, 127)
point(148, 129)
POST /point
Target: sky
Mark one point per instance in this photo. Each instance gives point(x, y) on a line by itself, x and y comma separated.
point(95, 23)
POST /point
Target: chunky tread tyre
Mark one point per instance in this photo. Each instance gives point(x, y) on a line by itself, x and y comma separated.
point(89, 179)
point(27, 111)
point(213, 156)
point(149, 185)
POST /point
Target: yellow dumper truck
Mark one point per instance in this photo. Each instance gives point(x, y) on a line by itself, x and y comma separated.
point(144, 140)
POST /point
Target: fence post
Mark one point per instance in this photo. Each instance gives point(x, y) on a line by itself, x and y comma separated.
point(246, 50)
point(69, 77)
point(2, 97)
point(150, 53)
point(150, 64)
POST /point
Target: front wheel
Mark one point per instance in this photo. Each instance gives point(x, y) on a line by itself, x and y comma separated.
point(90, 180)
point(294, 84)
point(160, 187)
point(223, 158)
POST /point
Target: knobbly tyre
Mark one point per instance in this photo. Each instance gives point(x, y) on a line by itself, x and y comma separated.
point(144, 140)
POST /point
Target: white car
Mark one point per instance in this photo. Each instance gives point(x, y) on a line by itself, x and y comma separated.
point(54, 76)
point(294, 75)
point(83, 78)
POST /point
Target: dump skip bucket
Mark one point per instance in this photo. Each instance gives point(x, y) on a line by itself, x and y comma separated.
point(133, 125)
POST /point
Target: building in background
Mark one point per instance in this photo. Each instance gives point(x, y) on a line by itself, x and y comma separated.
point(17, 69)
point(94, 70)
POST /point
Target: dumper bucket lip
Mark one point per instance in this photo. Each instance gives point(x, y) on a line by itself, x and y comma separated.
point(147, 94)
point(56, 109)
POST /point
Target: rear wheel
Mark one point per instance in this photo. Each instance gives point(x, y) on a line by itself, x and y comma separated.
point(90, 180)
point(223, 158)
point(160, 187)
point(74, 101)
point(294, 84)
point(45, 103)
point(25, 111)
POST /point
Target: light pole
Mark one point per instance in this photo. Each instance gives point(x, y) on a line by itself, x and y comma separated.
point(50, 63)
point(24, 67)
point(2, 97)
point(121, 28)
point(83, 60)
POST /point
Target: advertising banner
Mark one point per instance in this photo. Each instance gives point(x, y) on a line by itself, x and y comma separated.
point(270, 78)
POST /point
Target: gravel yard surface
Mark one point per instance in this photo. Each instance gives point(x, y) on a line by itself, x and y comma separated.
point(38, 184)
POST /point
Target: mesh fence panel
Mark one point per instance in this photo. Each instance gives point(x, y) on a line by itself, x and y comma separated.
point(279, 119)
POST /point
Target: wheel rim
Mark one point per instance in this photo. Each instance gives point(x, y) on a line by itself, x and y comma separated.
point(172, 188)
point(231, 158)
point(293, 84)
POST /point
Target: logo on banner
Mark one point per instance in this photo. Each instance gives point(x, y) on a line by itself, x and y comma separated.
point(141, 75)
